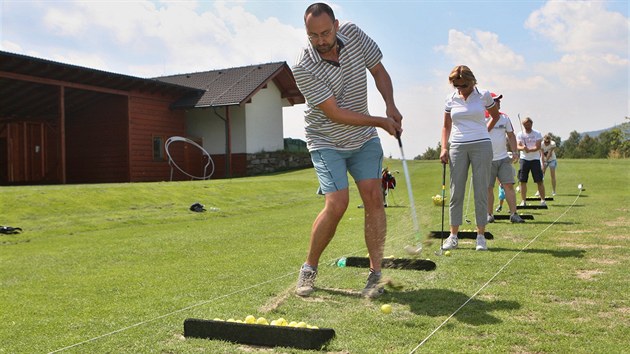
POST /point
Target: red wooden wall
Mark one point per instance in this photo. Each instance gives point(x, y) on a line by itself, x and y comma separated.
point(96, 142)
point(151, 117)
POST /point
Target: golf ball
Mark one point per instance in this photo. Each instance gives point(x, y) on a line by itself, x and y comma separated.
point(386, 309)
point(447, 253)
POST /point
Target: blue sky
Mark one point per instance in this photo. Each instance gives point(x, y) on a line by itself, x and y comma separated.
point(563, 63)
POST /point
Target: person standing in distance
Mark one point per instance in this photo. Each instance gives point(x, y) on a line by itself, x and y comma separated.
point(528, 143)
point(466, 129)
point(331, 73)
point(549, 160)
point(502, 163)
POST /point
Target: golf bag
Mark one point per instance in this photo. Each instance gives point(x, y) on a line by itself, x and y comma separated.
point(388, 182)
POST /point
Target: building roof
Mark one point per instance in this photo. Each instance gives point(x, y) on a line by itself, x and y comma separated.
point(28, 85)
point(235, 86)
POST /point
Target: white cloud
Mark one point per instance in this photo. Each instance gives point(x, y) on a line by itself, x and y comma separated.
point(494, 63)
point(581, 26)
point(173, 37)
point(481, 51)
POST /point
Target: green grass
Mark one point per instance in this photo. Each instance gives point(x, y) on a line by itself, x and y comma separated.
point(116, 268)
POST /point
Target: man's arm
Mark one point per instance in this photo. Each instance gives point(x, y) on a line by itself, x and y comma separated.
point(384, 85)
point(539, 148)
point(495, 115)
point(511, 137)
point(520, 144)
point(346, 116)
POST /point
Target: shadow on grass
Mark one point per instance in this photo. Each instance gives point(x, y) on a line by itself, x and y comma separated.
point(555, 253)
point(540, 222)
point(443, 302)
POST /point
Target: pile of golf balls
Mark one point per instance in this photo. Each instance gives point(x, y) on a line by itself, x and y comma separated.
point(250, 319)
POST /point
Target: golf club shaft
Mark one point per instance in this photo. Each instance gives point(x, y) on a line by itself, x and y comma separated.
point(443, 188)
point(414, 217)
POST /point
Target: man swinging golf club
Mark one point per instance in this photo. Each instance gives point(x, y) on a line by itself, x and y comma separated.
point(341, 134)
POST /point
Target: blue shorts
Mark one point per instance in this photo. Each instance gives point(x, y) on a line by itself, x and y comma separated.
point(332, 166)
point(551, 164)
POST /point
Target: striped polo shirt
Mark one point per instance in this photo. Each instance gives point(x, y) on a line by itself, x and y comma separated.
point(319, 80)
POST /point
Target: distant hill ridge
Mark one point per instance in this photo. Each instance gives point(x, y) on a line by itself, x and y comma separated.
point(625, 127)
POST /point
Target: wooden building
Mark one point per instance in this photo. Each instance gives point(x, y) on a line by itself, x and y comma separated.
point(62, 123)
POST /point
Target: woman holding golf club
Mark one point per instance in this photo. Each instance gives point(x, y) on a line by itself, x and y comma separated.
point(466, 144)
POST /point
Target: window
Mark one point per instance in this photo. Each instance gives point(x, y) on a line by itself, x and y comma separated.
point(158, 148)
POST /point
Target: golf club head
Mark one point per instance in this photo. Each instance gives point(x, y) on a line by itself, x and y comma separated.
point(439, 252)
point(413, 250)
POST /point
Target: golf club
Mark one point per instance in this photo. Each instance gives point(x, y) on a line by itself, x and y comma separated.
point(413, 250)
point(468, 201)
point(441, 251)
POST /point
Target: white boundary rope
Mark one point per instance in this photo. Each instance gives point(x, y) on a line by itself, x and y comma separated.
point(495, 275)
point(295, 272)
point(172, 313)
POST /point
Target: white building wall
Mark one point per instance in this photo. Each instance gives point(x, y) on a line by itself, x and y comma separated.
point(255, 127)
point(264, 121)
point(207, 124)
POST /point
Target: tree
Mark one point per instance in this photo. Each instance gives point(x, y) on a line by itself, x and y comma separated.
point(430, 153)
point(589, 148)
point(570, 145)
point(612, 141)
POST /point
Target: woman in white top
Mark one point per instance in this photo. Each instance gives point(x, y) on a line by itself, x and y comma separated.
point(549, 160)
point(466, 130)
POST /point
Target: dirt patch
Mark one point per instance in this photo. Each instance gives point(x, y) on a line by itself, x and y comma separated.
point(620, 221)
point(276, 301)
point(604, 261)
point(578, 231)
point(588, 274)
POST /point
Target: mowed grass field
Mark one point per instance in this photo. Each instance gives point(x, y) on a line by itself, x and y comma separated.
point(117, 268)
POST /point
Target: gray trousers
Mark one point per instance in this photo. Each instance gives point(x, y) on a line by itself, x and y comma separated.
point(479, 156)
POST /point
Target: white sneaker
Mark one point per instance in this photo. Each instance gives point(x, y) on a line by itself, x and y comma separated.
point(522, 203)
point(542, 203)
point(553, 194)
point(537, 194)
point(306, 282)
point(481, 243)
point(450, 243)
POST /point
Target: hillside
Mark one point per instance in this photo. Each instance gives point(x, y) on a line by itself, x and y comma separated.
point(625, 127)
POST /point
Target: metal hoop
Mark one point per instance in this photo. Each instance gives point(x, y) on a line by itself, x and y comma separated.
point(172, 163)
